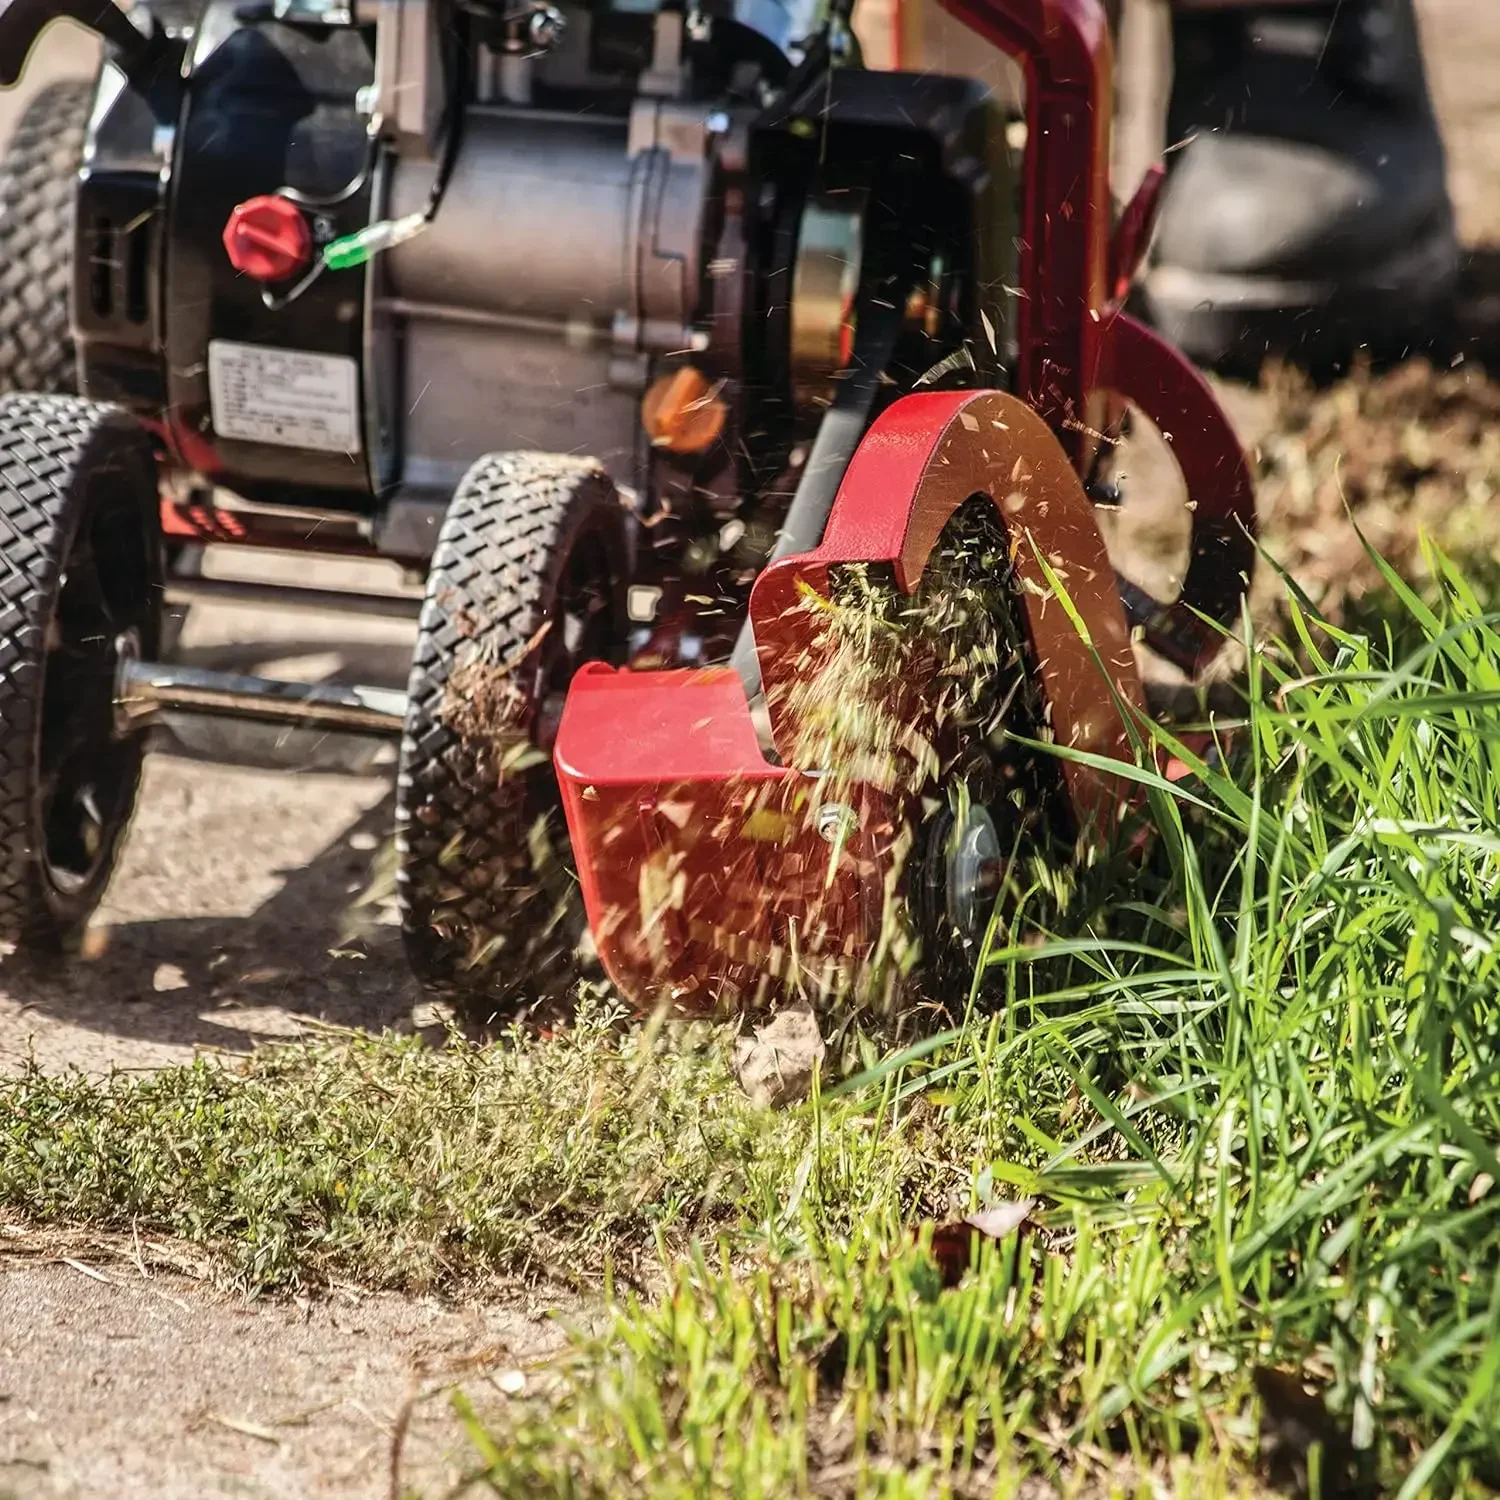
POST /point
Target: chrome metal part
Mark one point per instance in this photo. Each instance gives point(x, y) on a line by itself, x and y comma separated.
point(835, 822)
point(409, 93)
point(825, 279)
point(200, 590)
point(570, 251)
point(146, 690)
point(545, 28)
point(127, 655)
point(975, 867)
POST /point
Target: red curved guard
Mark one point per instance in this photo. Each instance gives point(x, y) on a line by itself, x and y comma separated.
point(921, 460)
point(1140, 365)
point(1075, 346)
point(700, 864)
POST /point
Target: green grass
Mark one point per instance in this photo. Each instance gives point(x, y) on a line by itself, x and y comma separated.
point(1254, 1082)
point(384, 1160)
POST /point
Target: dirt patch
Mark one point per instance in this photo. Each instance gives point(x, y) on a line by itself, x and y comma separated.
point(119, 1378)
point(487, 705)
point(239, 914)
point(1394, 458)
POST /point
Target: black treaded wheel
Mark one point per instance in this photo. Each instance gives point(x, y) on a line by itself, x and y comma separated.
point(527, 583)
point(80, 586)
point(38, 185)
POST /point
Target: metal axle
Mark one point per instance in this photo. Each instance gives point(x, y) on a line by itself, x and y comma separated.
point(199, 590)
point(146, 690)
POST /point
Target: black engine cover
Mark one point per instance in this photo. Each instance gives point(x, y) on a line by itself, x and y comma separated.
point(120, 247)
point(270, 108)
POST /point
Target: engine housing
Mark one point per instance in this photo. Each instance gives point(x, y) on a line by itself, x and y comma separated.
point(648, 192)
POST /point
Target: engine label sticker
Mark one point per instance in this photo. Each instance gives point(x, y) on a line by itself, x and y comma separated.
point(284, 396)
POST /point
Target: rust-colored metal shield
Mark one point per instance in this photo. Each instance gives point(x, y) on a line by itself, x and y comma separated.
point(927, 456)
point(709, 871)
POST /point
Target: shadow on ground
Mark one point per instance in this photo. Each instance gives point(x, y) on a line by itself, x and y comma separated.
point(316, 951)
point(1477, 334)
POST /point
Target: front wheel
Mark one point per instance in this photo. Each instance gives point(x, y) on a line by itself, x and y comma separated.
point(80, 588)
point(527, 583)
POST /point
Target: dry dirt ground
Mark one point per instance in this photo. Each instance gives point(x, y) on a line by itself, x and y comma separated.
point(116, 1381)
point(230, 921)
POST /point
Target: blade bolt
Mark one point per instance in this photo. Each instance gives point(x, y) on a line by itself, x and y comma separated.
point(835, 821)
point(546, 27)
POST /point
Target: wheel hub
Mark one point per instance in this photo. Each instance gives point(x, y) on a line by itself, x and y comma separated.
point(960, 867)
point(127, 649)
point(974, 867)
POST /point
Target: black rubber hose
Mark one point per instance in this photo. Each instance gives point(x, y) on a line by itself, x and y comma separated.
point(842, 427)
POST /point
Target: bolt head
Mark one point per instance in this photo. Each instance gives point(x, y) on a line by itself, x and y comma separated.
point(546, 28)
point(834, 821)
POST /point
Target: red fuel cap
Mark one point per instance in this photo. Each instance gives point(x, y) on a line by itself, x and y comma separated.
point(268, 238)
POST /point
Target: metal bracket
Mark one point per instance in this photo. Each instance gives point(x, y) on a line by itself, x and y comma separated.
point(409, 86)
point(666, 78)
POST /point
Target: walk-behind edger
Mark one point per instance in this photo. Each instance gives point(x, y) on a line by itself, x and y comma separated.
point(747, 411)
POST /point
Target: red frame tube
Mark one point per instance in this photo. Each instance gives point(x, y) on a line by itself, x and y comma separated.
point(1065, 52)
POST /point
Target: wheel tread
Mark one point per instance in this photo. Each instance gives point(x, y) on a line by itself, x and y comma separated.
point(46, 442)
point(507, 530)
point(38, 185)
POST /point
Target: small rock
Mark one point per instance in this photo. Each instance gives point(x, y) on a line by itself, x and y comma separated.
point(168, 977)
point(775, 1066)
point(433, 1021)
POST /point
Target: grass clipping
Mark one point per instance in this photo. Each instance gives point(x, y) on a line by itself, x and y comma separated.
point(925, 698)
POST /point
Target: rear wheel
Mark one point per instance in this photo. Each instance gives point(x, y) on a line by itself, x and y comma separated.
point(80, 588)
point(527, 583)
point(38, 185)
